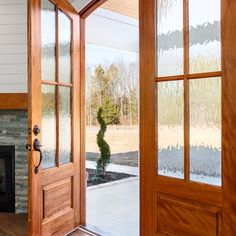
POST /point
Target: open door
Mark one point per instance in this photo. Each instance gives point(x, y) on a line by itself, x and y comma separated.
point(54, 118)
point(187, 117)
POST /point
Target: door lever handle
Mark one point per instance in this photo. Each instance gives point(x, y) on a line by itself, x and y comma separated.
point(37, 148)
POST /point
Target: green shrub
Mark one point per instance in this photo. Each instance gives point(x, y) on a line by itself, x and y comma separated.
point(104, 148)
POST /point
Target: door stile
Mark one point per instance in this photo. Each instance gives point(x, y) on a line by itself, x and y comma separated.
point(228, 25)
point(147, 117)
point(34, 114)
point(76, 123)
point(186, 89)
point(83, 120)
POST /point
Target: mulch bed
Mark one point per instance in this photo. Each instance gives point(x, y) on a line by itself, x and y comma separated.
point(110, 177)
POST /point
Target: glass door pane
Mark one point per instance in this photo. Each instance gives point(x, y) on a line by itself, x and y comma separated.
point(205, 130)
point(65, 114)
point(171, 129)
point(49, 126)
point(170, 54)
point(204, 36)
point(48, 40)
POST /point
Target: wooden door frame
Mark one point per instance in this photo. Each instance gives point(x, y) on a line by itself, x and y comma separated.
point(147, 94)
point(148, 140)
point(228, 26)
point(34, 87)
point(84, 13)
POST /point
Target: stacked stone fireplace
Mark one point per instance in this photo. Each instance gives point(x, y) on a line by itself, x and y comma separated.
point(13, 156)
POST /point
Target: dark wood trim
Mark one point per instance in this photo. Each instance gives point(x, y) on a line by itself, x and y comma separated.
point(228, 26)
point(13, 101)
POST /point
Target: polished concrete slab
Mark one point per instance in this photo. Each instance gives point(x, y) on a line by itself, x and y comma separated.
point(113, 209)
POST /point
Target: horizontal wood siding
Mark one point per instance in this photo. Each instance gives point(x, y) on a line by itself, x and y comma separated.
point(13, 46)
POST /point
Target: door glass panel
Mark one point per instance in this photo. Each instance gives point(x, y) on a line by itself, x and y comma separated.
point(49, 126)
point(48, 40)
point(170, 37)
point(171, 129)
point(204, 36)
point(64, 48)
point(65, 125)
point(205, 130)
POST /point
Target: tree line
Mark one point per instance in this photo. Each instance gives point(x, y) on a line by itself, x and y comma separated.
point(113, 87)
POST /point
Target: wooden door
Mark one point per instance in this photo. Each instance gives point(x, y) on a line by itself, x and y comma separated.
point(54, 118)
point(187, 117)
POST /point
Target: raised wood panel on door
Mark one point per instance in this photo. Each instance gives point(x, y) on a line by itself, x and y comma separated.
point(57, 197)
point(180, 217)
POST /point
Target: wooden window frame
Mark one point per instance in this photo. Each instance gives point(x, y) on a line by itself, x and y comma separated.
point(57, 84)
point(186, 77)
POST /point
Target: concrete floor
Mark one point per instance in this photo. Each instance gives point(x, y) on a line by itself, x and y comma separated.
point(113, 209)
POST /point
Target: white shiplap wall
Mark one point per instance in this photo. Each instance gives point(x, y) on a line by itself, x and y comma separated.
point(13, 46)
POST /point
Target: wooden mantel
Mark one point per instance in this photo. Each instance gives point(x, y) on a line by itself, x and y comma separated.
point(13, 101)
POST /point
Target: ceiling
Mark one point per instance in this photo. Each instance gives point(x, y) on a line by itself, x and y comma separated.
point(121, 15)
point(79, 4)
point(124, 7)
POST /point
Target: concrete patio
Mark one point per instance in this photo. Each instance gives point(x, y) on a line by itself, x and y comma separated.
point(113, 208)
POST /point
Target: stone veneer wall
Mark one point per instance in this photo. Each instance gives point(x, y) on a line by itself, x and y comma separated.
point(13, 131)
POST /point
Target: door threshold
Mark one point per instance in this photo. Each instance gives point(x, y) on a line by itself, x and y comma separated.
point(82, 231)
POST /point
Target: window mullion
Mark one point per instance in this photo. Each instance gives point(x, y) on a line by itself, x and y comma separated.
point(186, 89)
point(57, 89)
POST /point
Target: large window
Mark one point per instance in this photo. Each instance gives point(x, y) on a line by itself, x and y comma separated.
point(189, 90)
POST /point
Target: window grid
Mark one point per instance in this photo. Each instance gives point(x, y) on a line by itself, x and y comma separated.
point(186, 77)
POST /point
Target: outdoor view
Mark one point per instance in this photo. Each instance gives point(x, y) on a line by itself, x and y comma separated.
point(112, 122)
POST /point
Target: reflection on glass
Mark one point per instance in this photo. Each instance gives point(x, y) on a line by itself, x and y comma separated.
point(171, 129)
point(65, 125)
point(204, 36)
point(48, 40)
point(49, 126)
point(205, 130)
point(170, 37)
point(2, 178)
point(64, 48)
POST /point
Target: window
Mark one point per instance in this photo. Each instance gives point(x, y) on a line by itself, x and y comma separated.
point(189, 90)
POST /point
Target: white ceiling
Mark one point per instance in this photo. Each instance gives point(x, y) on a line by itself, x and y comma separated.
point(110, 29)
point(101, 23)
point(79, 4)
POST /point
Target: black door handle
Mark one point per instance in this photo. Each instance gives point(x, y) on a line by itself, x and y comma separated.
point(37, 148)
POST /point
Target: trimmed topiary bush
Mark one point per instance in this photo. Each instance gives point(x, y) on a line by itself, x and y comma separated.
point(104, 148)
